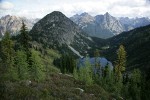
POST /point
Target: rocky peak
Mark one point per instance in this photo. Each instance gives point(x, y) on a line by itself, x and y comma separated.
point(55, 29)
point(82, 19)
point(107, 14)
point(103, 26)
point(13, 24)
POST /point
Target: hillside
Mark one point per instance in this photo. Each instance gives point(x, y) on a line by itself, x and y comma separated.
point(137, 44)
point(57, 31)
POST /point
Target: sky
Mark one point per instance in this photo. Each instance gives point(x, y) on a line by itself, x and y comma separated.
point(40, 8)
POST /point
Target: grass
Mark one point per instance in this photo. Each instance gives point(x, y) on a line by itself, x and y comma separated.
point(56, 87)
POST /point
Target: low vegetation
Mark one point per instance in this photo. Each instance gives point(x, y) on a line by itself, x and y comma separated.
point(27, 71)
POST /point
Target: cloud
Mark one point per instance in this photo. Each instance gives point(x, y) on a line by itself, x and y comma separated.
point(40, 8)
point(6, 5)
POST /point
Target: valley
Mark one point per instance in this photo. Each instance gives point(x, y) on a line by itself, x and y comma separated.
point(77, 58)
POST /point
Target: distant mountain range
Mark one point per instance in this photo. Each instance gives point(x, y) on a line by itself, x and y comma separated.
point(13, 24)
point(106, 26)
point(102, 26)
point(58, 32)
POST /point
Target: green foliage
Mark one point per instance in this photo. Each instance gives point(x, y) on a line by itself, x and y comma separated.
point(66, 63)
point(22, 65)
point(8, 70)
point(120, 63)
point(24, 38)
point(36, 68)
point(85, 73)
point(135, 85)
point(75, 73)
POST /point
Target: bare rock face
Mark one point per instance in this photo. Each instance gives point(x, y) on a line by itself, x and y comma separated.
point(13, 24)
point(106, 26)
point(132, 23)
point(103, 26)
point(55, 29)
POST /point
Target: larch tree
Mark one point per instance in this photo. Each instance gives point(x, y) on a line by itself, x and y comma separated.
point(120, 63)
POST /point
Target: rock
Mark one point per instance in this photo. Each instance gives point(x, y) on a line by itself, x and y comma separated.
point(80, 90)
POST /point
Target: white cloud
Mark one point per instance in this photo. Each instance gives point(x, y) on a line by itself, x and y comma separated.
point(117, 8)
point(6, 5)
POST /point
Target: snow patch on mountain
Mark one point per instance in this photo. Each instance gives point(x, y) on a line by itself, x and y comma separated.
point(75, 51)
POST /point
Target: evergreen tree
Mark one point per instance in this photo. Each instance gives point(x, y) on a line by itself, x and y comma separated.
point(86, 72)
point(22, 65)
point(67, 63)
point(97, 66)
point(36, 68)
point(135, 85)
point(107, 73)
point(24, 40)
point(7, 56)
point(120, 63)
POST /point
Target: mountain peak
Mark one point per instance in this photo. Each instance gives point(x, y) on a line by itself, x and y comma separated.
point(56, 12)
point(107, 14)
point(84, 14)
point(56, 30)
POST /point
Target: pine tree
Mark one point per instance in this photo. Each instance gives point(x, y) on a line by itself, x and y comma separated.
point(36, 68)
point(24, 40)
point(86, 72)
point(98, 69)
point(7, 55)
point(120, 63)
point(135, 85)
point(22, 65)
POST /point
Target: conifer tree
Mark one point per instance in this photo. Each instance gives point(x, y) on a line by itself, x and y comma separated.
point(22, 65)
point(7, 56)
point(120, 63)
point(86, 72)
point(135, 85)
point(24, 40)
point(36, 68)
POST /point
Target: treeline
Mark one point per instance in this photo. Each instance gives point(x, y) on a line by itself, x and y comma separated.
point(66, 63)
point(17, 60)
point(133, 85)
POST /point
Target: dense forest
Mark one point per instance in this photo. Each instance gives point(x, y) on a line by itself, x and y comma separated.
point(33, 72)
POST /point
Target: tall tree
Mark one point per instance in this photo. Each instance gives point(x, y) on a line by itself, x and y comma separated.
point(7, 56)
point(97, 66)
point(135, 85)
point(36, 68)
point(120, 63)
point(22, 65)
point(24, 39)
point(86, 72)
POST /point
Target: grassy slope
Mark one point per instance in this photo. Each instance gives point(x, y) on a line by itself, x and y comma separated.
point(57, 86)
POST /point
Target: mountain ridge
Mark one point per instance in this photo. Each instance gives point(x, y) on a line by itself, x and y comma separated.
point(57, 31)
point(106, 26)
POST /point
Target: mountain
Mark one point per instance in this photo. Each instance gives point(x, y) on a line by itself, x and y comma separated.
point(106, 26)
point(137, 45)
point(55, 30)
point(102, 26)
point(14, 23)
point(132, 23)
